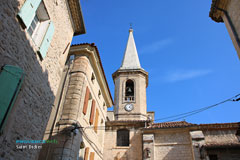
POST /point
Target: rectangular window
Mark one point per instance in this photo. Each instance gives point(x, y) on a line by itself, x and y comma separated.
point(123, 137)
point(11, 78)
point(92, 112)
point(35, 18)
point(213, 157)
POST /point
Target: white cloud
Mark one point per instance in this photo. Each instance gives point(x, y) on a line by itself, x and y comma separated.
point(155, 46)
point(181, 75)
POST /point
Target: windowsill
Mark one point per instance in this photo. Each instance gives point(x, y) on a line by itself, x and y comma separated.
point(34, 46)
point(124, 101)
point(121, 147)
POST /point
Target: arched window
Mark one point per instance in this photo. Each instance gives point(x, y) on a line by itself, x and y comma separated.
point(123, 137)
point(129, 90)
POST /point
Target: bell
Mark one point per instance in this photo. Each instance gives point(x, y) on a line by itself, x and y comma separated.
point(129, 90)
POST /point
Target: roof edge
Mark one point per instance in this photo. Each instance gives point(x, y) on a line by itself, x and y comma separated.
point(77, 17)
point(215, 14)
point(101, 66)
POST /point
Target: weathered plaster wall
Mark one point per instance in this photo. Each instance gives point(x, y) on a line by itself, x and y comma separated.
point(112, 151)
point(140, 106)
point(30, 114)
point(72, 112)
point(172, 145)
point(233, 10)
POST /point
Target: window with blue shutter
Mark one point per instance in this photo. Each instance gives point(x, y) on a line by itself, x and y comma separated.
point(28, 11)
point(11, 78)
point(37, 22)
point(47, 40)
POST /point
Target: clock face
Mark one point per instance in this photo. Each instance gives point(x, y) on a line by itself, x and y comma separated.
point(128, 107)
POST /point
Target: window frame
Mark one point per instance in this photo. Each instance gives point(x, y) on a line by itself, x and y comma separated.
point(123, 138)
point(132, 98)
point(35, 20)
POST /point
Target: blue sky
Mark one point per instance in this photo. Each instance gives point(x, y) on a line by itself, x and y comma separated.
point(191, 60)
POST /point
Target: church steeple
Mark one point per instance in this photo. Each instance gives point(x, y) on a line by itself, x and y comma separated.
point(130, 59)
point(130, 86)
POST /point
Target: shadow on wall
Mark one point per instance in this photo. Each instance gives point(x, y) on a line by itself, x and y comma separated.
point(29, 116)
point(67, 139)
point(134, 152)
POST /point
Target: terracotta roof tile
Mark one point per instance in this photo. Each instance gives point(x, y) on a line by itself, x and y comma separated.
point(222, 145)
point(128, 121)
point(219, 125)
point(177, 124)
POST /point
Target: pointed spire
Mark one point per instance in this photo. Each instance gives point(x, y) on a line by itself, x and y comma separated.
point(130, 59)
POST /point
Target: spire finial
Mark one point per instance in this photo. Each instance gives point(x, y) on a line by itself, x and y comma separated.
point(130, 30)
point(130, 59)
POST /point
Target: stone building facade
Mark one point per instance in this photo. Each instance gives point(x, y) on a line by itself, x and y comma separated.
point(182, 140)
point(228, 11)
point(35, 37)
point(81, 114)
point(217, 141)
point(51, 92)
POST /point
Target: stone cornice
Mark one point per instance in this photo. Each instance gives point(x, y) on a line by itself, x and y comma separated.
point(216, 14)
point(126, 124)
point(129, 71)
point(77, 17)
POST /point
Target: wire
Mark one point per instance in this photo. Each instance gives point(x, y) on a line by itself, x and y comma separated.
point(178, 116)
point(187, 114)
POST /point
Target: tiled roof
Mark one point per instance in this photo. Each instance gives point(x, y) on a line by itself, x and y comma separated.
point(128, 121)
point(93, 45)
point(222, 145)
point(219, 125)
point(177, 124)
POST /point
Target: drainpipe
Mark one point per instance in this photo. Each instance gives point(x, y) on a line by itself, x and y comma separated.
point(235, 34)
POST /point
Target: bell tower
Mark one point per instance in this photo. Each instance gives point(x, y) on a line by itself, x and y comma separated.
point(131, 81)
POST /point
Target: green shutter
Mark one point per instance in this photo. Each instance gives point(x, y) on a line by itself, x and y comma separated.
point(28, 11)
point(11, 78)
point(47, 40)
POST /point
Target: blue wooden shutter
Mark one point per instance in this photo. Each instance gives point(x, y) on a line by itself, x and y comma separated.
point(28, 11)
point(11, 78)
point(47, 40)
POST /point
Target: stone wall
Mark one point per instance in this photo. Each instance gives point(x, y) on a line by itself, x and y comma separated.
point(93, 140)
point(30, 113)
point(139, 103)
point(222, 143)
point(73, 129)
point(172, 145)
point(131, 152)
point(233, 11)
point(148, 146)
